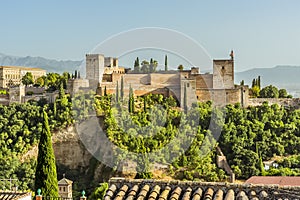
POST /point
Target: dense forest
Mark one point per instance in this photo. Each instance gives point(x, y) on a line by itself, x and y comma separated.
point(155, 125)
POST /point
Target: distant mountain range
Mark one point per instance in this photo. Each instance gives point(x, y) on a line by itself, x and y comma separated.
point(49, 64)
point(281, 76)
point(287, 77)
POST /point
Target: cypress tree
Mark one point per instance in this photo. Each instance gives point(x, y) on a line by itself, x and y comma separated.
point(145, 104)
point(117, 92)
point(75, 76)
point(137, 65)
point(258, 82)
point(166, 63)
point(54, 109)
point(61, 91)
point(105, 92)
point(122, 88)
point(151, 65)
point(131, 100)
point(45, 174)
point(253, 83)
point(185, 99)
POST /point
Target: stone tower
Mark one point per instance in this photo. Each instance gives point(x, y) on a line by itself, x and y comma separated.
point(223, 73)
point(94, 68)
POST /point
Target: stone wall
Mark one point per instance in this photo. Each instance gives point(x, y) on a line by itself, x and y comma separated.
point(74, 85)
point(292, 102)
point(203, 81)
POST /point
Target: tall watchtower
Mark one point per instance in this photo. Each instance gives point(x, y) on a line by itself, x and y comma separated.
point(94, 68)
point(223, 73)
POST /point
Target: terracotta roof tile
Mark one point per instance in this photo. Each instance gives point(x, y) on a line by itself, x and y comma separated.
point(230, 195)
point(129, 189)
point(209, 194)
point(187, 194)
point(143, 193)
point(280, 180)
point(176, 193)
point(132, 192)
point(155, 192)
point(121, 193)
point(198, 194)
point(219, 195)
point(165, 193)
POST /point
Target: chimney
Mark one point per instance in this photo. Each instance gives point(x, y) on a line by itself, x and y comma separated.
point(83, 197)
point(38, 196)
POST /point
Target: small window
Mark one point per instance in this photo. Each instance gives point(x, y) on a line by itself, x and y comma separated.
point(188, 84)
point(223, 67)
point(64, 189)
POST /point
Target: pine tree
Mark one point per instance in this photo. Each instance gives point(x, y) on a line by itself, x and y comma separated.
point(122, 88)
point(45, 174)
point(166, 63)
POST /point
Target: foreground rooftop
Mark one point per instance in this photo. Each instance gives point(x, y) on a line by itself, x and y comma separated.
point(129, 189)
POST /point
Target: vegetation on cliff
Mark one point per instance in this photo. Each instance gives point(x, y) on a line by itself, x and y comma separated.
point(248, 135)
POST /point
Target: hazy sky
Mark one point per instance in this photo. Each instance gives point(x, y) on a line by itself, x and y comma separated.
point(262, 33)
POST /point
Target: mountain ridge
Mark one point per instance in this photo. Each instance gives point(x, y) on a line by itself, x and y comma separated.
point(51, 65)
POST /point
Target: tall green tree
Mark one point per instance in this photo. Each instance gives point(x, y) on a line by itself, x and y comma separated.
point(258, 82)
point(131, 100)
point(45, 174)
point(185, 107)
point(105, 92)
point(122, 88)
point(166, 63)
point(137, 65)
point(117, 92)
point(27, 79)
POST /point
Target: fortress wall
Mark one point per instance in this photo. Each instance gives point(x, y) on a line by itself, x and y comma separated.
point(219, 97)
point(164, 79)
point(203, 80)
point(293, 102)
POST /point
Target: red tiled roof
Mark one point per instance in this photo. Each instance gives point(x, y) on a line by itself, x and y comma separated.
point(279, 180)
point(131, 189)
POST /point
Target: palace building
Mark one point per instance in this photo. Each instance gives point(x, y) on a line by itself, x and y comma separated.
point(12, 75)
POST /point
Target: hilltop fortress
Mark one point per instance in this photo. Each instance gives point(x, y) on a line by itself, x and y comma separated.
point(104, 73)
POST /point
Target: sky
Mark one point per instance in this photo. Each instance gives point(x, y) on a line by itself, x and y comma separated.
point(261, 33)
